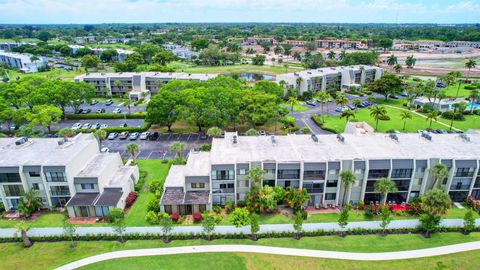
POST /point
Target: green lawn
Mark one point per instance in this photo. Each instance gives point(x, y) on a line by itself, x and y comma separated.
point(54, 73)
point(237, 69)
point(451, 91)
point(50, 255)
point(155, 170)
point(296, 107)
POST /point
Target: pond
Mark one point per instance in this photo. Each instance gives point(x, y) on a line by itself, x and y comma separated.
point(251, 77)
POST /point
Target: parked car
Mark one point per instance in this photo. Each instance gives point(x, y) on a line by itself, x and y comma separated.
point(341, 109)
point(311, 103)
point(77, 126)
point(393, 96)
point(441, 131)
point(123, 125)
point(87, 111)
point(103, 126)
point(134, 136)
point(112, 136)
point(440, 85)
point(87, 126)
point(93, 102)
point(117, 110)
point(109, 102)
point(102, 110)
point(105, 150)
point(144, 135)
point(351, 107)
point(96, 126)
point(153, 136)
point(79, 111)
point(124, 135)
point(203, 136)
point(262, 133)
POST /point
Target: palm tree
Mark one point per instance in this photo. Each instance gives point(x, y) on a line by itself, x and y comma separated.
point(439, 173)
point(405, 116)
point(431, 116)
point(347, 114)
point(100, 135)
point(286, 67)
point(455, 76)
point(343, 54)
point(392, 60)
point(377, 112)
point(341, 100)
point(117, 84)
point(410, 61)
point(471, 63)
point(34, 58)
point(299, 82)
point(22, 228)
point(347, 178)
point(324, 97)
point(292, 101)
point(256, 175)
point(397, 68)
point(356, 102)
point(473, 98)
point(385, 186)
point(132, 149)
point(177, 148)
point(436, 202)
point(331, 55)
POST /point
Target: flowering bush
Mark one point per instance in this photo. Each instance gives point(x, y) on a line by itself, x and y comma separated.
point(197, 217)
point(132, 196)
point(475, 204)
point(175, 217)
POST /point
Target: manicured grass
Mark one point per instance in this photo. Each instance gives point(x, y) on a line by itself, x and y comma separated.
point(54, 219)
point(253, 261)
point(238, 69)
point(50, 255)
point(296, 107)
point(54, 73)
point(155, 170)
point(470, 122)
point(451, 91)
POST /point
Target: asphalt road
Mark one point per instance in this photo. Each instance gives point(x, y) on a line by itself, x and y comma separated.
point(110, 108)
point(109, 122)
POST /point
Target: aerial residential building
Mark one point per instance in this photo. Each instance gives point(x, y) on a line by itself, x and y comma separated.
point(315, 162)
point(70, 173)
point(136, 83)
point(7, 46)
point(181, 52)
point(324, 78)
point(433, 44)
point(22, 61)
point(85, 39)
point(439, 105)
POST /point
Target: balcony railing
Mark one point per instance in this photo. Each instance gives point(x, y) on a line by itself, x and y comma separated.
point(60, 193)
point(314, 190)
point(314, 177)
point(460, 187)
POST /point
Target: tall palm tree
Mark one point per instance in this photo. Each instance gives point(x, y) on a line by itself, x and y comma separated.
point(256, 175)
point(410, 61)
point(347, 114)
point(22, 228)
point(343, 54)
point(385, 186)
point(285, 65)
point(347, 178)
point(100, 135)
point(341, 100)
point(132, 150)
point(439, 173)
point(356, 102)
point(34, 58)
point(473, 98)
point(397, 68)
point(431, 116)
point(177, 148)
point(436, 202)
point(324, 97)
point(471, 63)
point(377, 112)
point(331, 55)
point(292, 101)
point(299, 82)
point(452, 77)
point(405, 116)
point(392, 60)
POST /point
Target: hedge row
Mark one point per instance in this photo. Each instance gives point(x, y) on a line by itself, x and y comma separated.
point(139, 115)
point(318, 120)
point(192, 236)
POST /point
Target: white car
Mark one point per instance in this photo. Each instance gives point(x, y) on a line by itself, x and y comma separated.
point(77, 126)
point(117, 110)
point(87, 126)
point(103, 126)
point(144, 135)
point(105, 150)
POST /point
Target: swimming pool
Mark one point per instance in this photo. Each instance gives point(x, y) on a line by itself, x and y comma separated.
point(474, 106)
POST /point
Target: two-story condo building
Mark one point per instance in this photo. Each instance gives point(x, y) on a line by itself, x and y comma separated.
point(314, 162)
point(136, 83)
point(22, 61)
point(70, 173)
point(324, 78)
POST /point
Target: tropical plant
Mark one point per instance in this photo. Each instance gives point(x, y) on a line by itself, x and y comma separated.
point(392, 60)
point(214, 132)
point(471, 63)
point(208, 224)
point(166, 223)
point(386, 218)
point(296, 198)
point(468, 221)
point(385, 186)
point(298, 223)
point(66, 132)
point(177, 148)
point(292, 101)
point(256, 175)
point(343, 218)
point(117, 218)
point(431, 116)
point(331, 55)
point(101, 135)
point(70, 231)
point(132, 150)
point(347, 114)
point(397, 68)
point(22, 228)
point(341, 100)
point(324, 97)
point(356, 102)
point(435, 203)
point(347, 178)
point(30, 202)
point(377, 112)
point(239, 217)
point(405, 115)
point(254, 225)
point(410, 61)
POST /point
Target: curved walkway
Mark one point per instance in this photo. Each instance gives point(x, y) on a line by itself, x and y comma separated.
point(381, 256)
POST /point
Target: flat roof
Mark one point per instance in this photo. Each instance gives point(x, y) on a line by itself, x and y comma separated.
point(198, 163)
point(122, 174)
point(370, 146)
point(176, 176)
point(323, 71)
point(163, 75)
point(43, 151)
point(99, 163)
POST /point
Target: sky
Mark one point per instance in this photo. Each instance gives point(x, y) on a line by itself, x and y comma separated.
point(327, 11)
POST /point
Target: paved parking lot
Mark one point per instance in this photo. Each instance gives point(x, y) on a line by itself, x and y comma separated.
point(109, 122)
point(109, 109)
point(159, 149)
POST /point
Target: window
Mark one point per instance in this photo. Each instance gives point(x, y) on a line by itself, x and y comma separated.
point(88, 186)
point(359, 171)
point(55, 177)
point(373, 174)
point(197, 185)
point(35, 186)
point(465, 172)
point(9, 177)
point(224, 186)
point(241, 171)
point(314, 175)
point(333, 171)
point(13, 190)
point(330, 196)
point(420, 169)
point(34, 174)
point(419, 181)
point(222, 175)
point(59, 190)
point(402, 173)
point(332, 183)
point(288, 174)
point(168, 209)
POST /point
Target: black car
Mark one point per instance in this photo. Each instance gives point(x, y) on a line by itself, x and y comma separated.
point(102, 110)
point(87, 111)
point(79, 111)
point(153, 136)
point(203, 136)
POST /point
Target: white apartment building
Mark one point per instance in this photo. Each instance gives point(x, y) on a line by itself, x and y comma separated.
point(22, 61)
point(433, 44)
point(321, 79)
point(181, 52)
point(136, 83)
point(70, 173)
point(314, 163)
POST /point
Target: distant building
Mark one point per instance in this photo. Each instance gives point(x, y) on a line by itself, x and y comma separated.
point(181, 52)
point(442, 105)
point(433, 44)
point(320, 79)
point(85, 39)
point(7, 46)
point(114, 40)
point(22, 61)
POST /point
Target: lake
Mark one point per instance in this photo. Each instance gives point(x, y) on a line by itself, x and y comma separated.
point(251, 77)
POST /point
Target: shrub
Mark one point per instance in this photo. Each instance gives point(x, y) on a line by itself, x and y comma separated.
point(415, 206)
point(155, 186)
point(470, 87)
point(175, 217)
point(132, 196)
point(241, 203)
point(456, 116)
point(240, 217)
point(229, 206)
point(153, 205)
point(115, 214)
point(197, 217)
point(317, 119)
point(151, 217)
point(384, 117)
point(287, 121)
point(217, 209)
point(305, 130)
point(370, 211)
point(206, 147)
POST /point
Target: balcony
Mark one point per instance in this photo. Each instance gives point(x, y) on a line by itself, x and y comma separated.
point(314, 190)
point(460, 187)
point(314, 177)
point(60, 193)
point(224, 190)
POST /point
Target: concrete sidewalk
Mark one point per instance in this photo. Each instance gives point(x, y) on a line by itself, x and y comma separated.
point(381, 256)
